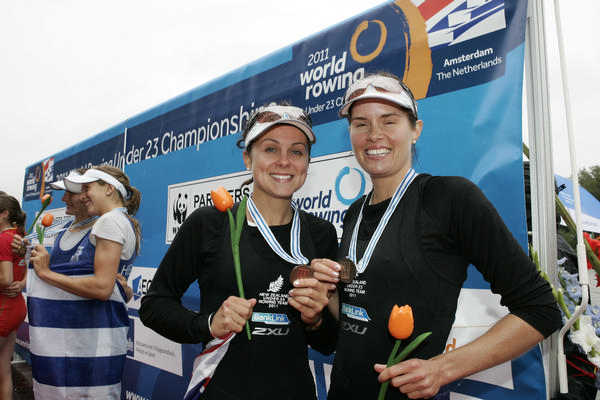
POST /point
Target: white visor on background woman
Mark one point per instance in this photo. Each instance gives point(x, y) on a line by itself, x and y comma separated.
point(62, 184)
point(93, 175)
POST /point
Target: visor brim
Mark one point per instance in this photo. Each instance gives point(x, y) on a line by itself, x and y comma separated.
point(307, 130)
point(387, 96)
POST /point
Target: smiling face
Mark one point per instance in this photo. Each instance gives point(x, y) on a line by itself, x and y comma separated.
point(279, 161)
point(382, 138)
point(74, 205)
point(94, 197)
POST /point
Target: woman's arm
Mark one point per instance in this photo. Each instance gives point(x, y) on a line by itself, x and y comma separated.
point(16, 287)
point(98, 286)
point(6, 276)
point(183, 264)
point(506, 340)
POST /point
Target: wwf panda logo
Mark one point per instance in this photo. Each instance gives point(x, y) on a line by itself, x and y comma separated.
point(180, 208)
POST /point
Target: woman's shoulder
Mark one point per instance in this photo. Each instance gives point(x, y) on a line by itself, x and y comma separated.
point(111, 224)
point(203, 218)
point(113, 218)
point(455, 198)
point(442, 188)
point(7, 235)
point(112, 215)
point(208, 213)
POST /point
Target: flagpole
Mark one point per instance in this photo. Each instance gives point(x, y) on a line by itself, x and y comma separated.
point(581, 256)
point(543, 211)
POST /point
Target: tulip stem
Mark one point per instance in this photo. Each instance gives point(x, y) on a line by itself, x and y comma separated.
point(42, 235)
point(236, 232)
point(390, 362)
point(45, 203)
point(393, 359)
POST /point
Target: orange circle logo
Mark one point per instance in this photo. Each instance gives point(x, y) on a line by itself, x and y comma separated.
point(418, 67)
point(360, 29)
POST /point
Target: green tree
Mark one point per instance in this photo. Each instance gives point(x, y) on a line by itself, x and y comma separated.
point(589, 179)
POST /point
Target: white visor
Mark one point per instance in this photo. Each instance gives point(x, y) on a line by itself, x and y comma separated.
point(63, 185)
point(288, 115)
point(93, 175)
point(378, 87)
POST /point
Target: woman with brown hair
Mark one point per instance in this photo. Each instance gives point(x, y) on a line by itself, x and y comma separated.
point(412, 239)
point(13, 275)
point(276, 236)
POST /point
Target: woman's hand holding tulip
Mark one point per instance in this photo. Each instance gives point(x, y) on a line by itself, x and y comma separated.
point(231, 316)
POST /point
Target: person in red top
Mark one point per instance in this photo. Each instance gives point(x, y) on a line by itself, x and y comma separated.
point(13, 276)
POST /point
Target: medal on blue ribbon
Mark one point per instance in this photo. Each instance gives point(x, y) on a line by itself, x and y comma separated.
point(296, 257)
point(362, 264)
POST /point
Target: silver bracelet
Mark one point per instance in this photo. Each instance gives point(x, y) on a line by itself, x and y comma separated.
point(315, 325)
point(209, 321)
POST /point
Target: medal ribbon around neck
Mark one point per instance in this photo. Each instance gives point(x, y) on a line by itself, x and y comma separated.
point(296, 257)
point(400, 190)
point(53, 229)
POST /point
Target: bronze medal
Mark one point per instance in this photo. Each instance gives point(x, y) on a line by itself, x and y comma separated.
point(300, 272)
point(348, 271)
point(22, 250)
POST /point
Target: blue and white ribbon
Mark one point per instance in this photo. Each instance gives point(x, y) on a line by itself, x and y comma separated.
point(364, 261)
point(54, 228)
point(296, 257)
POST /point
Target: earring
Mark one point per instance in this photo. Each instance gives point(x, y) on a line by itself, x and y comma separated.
point(414, 141)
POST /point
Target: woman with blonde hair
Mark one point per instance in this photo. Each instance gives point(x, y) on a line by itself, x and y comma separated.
point(91, 343)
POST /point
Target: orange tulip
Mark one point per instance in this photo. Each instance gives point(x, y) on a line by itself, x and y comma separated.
point(401, 323)
point(46, 200)
point(224, 202)
point(222, 199)
point(47, 220)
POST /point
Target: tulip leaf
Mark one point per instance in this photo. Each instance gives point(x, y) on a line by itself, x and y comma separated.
point(236, 232)
point(39, 232)
point(231, 227)
point(239, 218)
point(413, 345)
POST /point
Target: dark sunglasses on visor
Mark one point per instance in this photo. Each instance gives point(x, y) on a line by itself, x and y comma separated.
point(268, 116)
point(379, 87)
